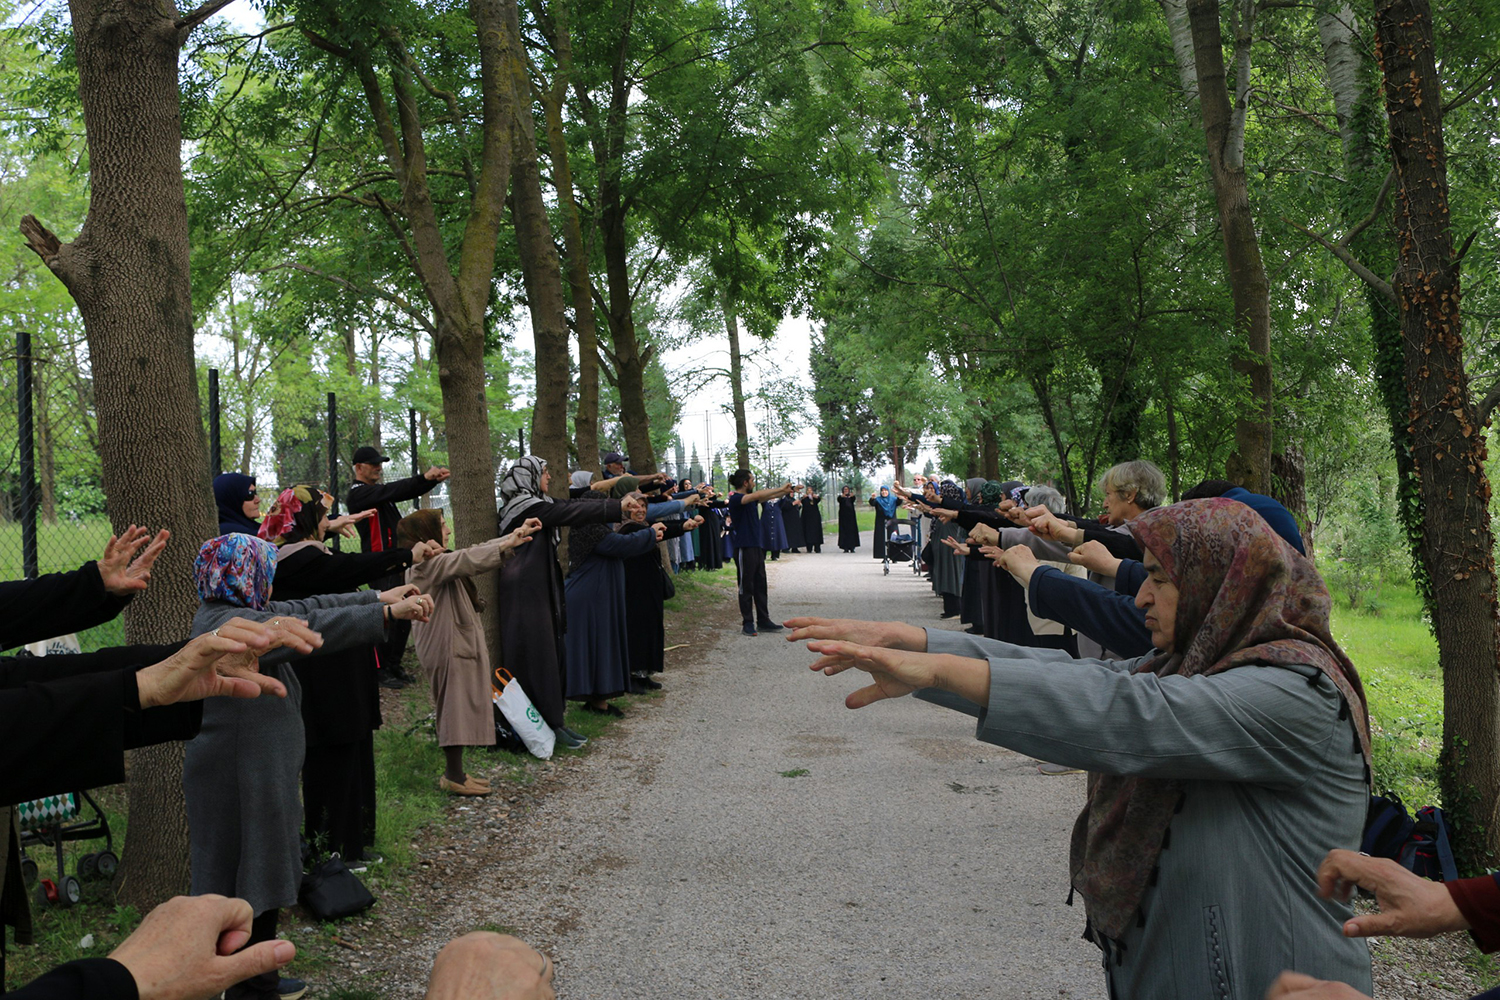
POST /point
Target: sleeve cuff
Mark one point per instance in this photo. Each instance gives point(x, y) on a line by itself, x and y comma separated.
point(1478, 899)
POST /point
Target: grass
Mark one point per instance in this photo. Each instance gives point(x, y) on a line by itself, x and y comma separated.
point(408, 763)
point(795, 772)
point(1397, 658)
point(65, 545)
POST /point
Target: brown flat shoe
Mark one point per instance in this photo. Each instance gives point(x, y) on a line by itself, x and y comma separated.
point(469, 787)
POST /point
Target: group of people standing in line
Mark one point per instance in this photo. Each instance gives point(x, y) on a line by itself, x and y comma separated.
point(1113, 646)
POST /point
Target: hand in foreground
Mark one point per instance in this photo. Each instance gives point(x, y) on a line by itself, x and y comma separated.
point(892, 635)
point(522, 533)
point(487, 966)
point(344, 523)
point(187, 949)
point(1410, 906)
point(983, 534)
point(893, 673)
point(956, 546)
point(416, 608)
point(422, 551)
point(223, 663)
point(121, 576)
point(1020, 562)
point(1296, 986)
point(396, 594)
point(660, 530)
point(943, 513)
point(1049, 525)
point(1094, 557)
point(437, 473)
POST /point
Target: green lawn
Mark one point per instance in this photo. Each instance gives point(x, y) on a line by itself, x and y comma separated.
point(62, 546)
point(1397, 658)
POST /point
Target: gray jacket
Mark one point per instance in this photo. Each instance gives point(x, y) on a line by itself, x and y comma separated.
point(240, 774)
point(1274, 779)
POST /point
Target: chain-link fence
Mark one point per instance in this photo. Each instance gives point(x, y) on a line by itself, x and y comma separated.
point(52, 509)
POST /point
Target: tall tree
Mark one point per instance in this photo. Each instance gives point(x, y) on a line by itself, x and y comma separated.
point(1224, 130)
point(128, 271)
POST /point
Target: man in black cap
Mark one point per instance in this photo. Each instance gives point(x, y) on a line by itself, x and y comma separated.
point(614, 465)
point(378, 534)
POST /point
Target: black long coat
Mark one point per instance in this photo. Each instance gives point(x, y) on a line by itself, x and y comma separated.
point(645, 590)
point(531, 599)
point(848, 523)
point(340, 691)
point(880, 520)
point(812, 523)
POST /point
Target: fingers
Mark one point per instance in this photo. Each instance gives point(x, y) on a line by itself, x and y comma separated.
point(263, 957)
point(1342, 870)
point(867, 695)
point(1289, 983)
point(242, 682)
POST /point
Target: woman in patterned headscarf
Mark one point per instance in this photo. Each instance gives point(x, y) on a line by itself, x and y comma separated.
point(239, 775)
point(1214, 791)
point(532, 607)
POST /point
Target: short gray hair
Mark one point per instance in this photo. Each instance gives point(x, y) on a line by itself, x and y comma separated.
point(1139, 477)
point(1047, 497)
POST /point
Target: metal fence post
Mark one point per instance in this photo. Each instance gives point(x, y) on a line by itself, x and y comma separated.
point(333, 461)
point(521, 442)
point(215, 459)
point(27, 447)
point(411, 416)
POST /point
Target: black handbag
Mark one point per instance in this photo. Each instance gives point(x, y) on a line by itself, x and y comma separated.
point(330, 891)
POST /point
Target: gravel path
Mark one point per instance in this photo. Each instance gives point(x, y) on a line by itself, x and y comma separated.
point(907, 861)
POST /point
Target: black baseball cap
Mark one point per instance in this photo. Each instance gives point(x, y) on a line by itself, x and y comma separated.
point(365, 455)
point(614, 457)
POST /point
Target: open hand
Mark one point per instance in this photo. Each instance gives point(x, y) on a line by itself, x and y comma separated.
point(1410, 906)
point(892, 635)
point(893, 673)
point(224, 663)
point(344, 523)
point(123, 577)
point(943, 513)
point(396, 594)
point(1296, 986)
point(522, 533)
point(956, 546)
point(189, 947)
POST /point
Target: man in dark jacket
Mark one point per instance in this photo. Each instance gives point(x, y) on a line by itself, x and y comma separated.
point(378, 534)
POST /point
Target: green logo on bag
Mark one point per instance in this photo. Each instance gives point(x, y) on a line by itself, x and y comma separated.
point(532, 717)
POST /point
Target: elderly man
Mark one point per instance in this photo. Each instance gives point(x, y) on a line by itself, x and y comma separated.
point(377, 534)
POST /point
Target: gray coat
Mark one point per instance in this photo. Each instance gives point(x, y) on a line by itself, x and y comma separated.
point(240, 774)
point(1274, 779)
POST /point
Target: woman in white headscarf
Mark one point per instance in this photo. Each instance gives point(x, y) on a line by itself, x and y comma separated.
point(531, 586)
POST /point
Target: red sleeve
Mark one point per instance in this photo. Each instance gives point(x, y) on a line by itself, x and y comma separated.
point(1478, 899)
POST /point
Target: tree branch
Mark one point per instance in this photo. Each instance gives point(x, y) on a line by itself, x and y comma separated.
point(193, 18)
point(1488, 404)
point(1342, 253)
point(1367, 221)
point(395, 299)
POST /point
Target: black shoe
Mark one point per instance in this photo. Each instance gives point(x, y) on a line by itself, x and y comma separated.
point(288, 988)
point(366, 858)
point(608, 709)
point(394, 682)
point(768, 626)
point(646, 683)
point(748, 629)
point(569, 739)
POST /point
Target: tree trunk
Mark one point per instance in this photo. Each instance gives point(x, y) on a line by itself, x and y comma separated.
point(1182, 45)
point(736, 382)
point(1224, 130)
point(544, 296)
point(1174, 456)
point(46, 465)
point(989, 450)
point(586, 413)
point(627, 356)
point(1341, 60)
point(128, 272)
point(1449, 443)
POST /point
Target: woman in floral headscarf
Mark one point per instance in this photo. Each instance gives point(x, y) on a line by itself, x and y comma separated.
point(239, 775)
point(533, 612)
point(1213, 790)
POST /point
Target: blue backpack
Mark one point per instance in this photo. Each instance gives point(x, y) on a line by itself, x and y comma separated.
point(1418, 844)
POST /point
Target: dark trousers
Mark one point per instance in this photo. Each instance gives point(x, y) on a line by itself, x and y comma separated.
point(750, 571)
point(262, 928)
point(338, 797)
point(393, 649)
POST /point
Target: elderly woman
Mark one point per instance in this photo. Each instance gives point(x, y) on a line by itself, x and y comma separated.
point(1192, 759)
point(533, 612)
point(884, 502)
point(451, 646)
point(848, 520)
point(239, 775)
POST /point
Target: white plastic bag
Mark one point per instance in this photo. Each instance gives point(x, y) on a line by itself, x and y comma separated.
point(522, 715)
point(52, 647)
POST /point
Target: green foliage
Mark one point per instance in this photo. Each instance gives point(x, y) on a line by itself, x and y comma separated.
point(1367, 549)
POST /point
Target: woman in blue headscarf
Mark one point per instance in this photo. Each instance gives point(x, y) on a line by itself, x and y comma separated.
point(239, 505)
point(884, 503)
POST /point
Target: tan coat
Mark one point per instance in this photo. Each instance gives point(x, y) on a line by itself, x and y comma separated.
point(451, 646)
